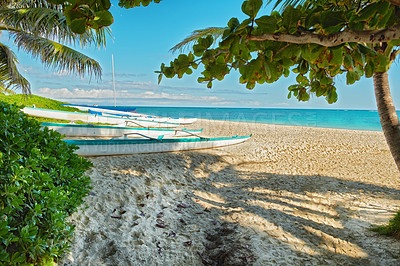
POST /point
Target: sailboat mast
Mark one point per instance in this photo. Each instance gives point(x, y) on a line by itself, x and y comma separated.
point(115, 99)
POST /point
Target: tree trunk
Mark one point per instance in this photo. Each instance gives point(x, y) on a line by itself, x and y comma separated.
point(387, 114)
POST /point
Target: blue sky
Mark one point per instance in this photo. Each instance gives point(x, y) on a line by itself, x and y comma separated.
point(141, 42)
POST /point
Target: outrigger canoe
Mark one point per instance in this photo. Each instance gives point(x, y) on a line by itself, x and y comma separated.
point(111, 112)
point(151, 145)
point(79, 130)
point(92, 118)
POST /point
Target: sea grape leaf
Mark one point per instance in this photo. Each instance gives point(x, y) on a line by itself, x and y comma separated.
point(336, 55)
point(291, 17)
point(251, 7)
point(103, 18)
point(78, 25)
point(233, 23)
point(331, 95)
point(332, 19)
point(367, 12)
point(348, 61)
point(267, 24)
point(311, 52)
point(369, 69)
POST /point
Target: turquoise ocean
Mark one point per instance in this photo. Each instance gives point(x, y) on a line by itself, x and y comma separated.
point(323, 118)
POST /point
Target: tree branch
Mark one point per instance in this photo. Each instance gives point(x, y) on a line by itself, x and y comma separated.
point(368, 36)
point(394, 2)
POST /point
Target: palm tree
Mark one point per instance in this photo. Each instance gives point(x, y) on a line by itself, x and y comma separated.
point(40, 29)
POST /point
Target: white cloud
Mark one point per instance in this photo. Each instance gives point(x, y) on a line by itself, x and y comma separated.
point(76, 94)
point(65, 93)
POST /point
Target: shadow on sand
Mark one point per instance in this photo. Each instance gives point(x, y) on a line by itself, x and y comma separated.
point(320, 219)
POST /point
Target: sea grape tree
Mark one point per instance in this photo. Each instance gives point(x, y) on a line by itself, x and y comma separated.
point(83, 15)
point(317, 41)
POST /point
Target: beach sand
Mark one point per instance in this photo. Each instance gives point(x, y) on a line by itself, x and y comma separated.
point(288, 196)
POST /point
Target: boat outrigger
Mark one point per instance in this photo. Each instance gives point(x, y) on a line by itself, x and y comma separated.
point(150, 145)
point(88, 130)
point(111, 112)
point(93, 118)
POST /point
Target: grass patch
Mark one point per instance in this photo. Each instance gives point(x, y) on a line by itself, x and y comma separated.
point(45, 103)
point(38, 101)
point(391, 229)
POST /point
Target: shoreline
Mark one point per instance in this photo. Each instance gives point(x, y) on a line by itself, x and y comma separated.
point(288, 195)
point(283, 125)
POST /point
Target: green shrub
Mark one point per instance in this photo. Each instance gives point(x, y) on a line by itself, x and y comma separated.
point(41, 183)
point(391, 229)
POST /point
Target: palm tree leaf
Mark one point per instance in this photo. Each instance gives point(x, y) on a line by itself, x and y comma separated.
point(56, 55)
point(10, 78)
point(50, 23)
point(286, 3)
point(189, 41)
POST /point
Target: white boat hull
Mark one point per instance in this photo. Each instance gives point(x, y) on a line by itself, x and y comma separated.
point(122, 147)
point(110, 112)
point(76, 130)
point(90, 118)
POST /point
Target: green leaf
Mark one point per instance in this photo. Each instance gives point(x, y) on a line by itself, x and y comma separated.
point(311, 52)
point(357, 26)
point(348, 61)
point(351, 77)
point(388, 18)
point(267, 24)
point(395, 42)
point(103, 18)
point(17, 258)
point(303, 67)
point(358, 57)
point(251, 7)
point(267, 69)
point(369, 69)
point(4, 255)
point(336, 55)
point(332, 19)
point(78, 25)
point(313, 18)
point(366, 51)
point(368, 12)
point(383, 63)
point(332, 96)
point(291, 17)
point(233, 24)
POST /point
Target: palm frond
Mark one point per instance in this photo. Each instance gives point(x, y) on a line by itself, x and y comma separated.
point(49, 23)
point(10, 78)
point(189, 41)
point(56, 55)
point(5, 3)
point(286, 3)
point(32, 3)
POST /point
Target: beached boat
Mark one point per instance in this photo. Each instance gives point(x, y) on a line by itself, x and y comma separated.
point(150, 145)
point(87, 130)
point(111, 112)
point(93, 118)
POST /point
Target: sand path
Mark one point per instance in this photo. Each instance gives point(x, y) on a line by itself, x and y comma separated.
point(289, 196)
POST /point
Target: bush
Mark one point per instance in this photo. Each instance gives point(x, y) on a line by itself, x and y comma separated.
point(391, 229)
point(41, 183)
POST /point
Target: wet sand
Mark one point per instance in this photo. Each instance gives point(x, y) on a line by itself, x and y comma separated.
point(289, 195)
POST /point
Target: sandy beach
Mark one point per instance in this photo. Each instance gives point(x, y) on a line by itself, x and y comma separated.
point(288, 196)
